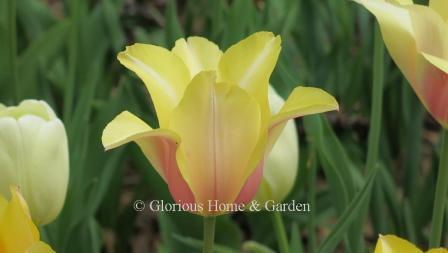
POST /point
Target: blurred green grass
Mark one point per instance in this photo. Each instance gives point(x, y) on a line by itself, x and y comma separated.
point(65, 53)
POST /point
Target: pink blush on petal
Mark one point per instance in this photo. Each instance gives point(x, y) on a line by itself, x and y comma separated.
point(251, 186)
point(179, 189)
point(435, 85)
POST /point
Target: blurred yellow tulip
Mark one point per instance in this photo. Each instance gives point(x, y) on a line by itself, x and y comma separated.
point(34, 156)
point(394, 244)
point(282, 163)
point(417, 39)
point(214, 116)
point(18, 234)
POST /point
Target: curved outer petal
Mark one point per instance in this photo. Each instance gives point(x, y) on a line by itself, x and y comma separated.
point(34, 155)
point(429, 30)
point(440, 250)
point(281, 165)
point(198, 54)
point(410, 32)
point(434, 73)
point(39, 247)
point(164, 74)
point(441, 7)
point(301, 102)
point(220, 127)
point(159, 147)
point(10, 152)
point(250, 63)
point(402, 2)
point(17, 231)
point(394, 244)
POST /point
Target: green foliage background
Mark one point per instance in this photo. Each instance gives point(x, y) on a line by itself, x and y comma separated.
point(64, 52)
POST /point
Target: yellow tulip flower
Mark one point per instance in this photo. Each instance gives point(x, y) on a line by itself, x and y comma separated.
point(18, 234)
point(215, 124)
point(394, 244)
point(417, 39)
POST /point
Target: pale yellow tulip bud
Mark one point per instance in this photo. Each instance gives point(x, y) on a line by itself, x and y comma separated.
point(281, 165)
point(34, 156)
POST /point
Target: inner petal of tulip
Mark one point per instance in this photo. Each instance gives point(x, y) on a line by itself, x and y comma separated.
point(220, 130)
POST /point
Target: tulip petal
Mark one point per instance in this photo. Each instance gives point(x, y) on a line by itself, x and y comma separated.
point(220, 128)
point(429, 31)
point(401, 2)
point(441, 7)
point(301, 102)
point(440, 63)
point(10, 144)
point(394, 244)
point(434, 93)
point(155, 66)
point(439, 250)
point(39, 247)
point(159, 147)
point(198, 54)
point(46, 141)
point(251, 186)
point(17, 230)
point(127, 127)
point(250, 63)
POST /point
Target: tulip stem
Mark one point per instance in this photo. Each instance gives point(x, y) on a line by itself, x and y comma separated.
point(312, 172)
point(441, 194)
point(374, 132)
point(280, 231)
point(209, 234)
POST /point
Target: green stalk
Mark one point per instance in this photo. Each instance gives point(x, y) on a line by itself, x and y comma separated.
point(441, 195)
point(280, 231)
point(413, 143)
point(12, 54)
point(209, 234)
point(312, 174)
point(377, 102)
point(375, 126)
